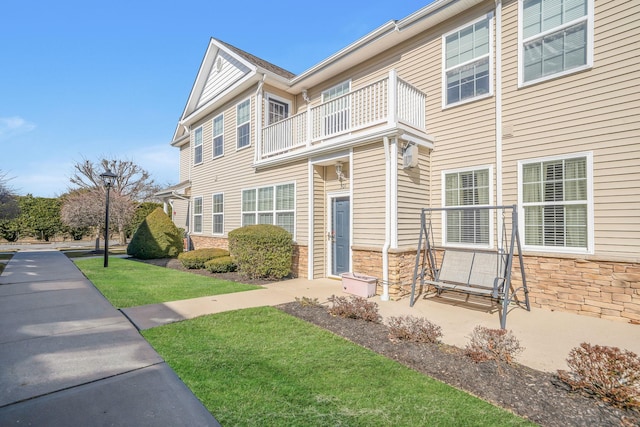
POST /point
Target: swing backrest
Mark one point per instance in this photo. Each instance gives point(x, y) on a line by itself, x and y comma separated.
point(470, 268)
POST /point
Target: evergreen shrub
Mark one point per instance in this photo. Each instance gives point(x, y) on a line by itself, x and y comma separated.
point(223, 264)
point(156, 237)
point(261, 251)
point(197, 258)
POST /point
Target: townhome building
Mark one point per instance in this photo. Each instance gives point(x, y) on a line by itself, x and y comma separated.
point(533, 103)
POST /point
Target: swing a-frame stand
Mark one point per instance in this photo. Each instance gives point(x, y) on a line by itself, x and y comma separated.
point(480, 272)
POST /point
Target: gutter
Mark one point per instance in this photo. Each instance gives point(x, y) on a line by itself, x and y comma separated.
point(498, 96)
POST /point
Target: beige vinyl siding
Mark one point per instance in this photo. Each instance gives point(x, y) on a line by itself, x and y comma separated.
point(319, 223)
point(596, 110)
point(185, 162)
point(234, 171)
point(368, 203)
point(180, 208)
point(232, 70)
point(413, 195)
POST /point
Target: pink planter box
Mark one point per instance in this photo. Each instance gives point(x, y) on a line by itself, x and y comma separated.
point(358, 284)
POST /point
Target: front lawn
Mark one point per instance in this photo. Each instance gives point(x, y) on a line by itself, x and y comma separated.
point(262, 367)
point(127, 283)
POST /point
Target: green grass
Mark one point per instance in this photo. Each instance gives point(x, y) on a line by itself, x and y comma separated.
point(127, 283)
point(262, 367)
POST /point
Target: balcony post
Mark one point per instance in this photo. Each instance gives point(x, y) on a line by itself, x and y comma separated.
point(309, 123)
point(392, 96)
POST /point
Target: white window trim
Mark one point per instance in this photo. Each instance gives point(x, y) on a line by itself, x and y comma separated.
point(444, 63)
point(213, 136)
point(324, 92)
point(274, 210)
point(213, 214)
point(590, 209)
point(193, 215)
point(443, 218)
point(270, 96)
point(521, 41)
point(241, 124)
point(201, 145)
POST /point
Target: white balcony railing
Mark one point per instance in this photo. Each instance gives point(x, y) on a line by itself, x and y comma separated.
point(386, 102)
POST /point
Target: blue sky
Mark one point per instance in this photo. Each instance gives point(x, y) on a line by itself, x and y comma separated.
point(85, 80)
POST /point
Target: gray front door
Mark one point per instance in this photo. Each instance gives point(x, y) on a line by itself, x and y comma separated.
point(340, 228)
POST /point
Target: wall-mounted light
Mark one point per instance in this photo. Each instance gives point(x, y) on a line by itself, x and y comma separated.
point(339, 174)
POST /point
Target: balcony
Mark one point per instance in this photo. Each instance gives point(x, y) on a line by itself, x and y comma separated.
point(389, 103)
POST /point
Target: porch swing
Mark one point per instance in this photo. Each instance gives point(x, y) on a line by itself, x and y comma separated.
point(476, 272)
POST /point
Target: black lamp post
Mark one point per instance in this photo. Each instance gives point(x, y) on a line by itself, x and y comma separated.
point(108, 179)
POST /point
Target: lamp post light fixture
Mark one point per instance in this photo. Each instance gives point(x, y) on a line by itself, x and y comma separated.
point(108, 178)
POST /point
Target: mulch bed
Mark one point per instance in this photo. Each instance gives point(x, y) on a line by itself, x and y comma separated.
point(538, 396)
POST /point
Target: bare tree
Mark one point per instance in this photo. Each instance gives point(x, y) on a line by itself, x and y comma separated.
point(86, 202)
point(9, 207)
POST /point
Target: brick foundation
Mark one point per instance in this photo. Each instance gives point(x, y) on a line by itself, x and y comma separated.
point(605, 289)
point(298, 261)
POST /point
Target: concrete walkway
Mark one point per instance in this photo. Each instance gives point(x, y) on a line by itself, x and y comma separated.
point(547, 336)
point(68, 358)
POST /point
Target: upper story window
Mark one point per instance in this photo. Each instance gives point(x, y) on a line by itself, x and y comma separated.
point(467, 188)
point(556, 38)
point(555, 194)
point(336, 91)
point(197, 214)
point(218, 136)
point(467, 62)
point(278, 110)
point(243, 124)
point(336, 109)
point(197, 146)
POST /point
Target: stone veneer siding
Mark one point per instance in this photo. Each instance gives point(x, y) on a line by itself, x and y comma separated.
point(605, 289)
point(298, 261)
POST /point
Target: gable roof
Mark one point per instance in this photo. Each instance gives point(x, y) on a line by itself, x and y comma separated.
point(261, 63)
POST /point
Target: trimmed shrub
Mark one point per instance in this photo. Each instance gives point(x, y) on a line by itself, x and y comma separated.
point(261, 251)
point(606, 372)
point(223, 264)
point(354, 307)
point(492, 344)
point(156, 237)
point(308, 302)
point(414, 329)
point(197, 258)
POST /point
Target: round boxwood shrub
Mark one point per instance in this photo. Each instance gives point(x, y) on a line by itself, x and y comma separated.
point(261, 251)
point(198, 257)
point(223, 264)
point(156, 237)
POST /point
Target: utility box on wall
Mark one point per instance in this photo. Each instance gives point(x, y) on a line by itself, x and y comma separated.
point(359, 284)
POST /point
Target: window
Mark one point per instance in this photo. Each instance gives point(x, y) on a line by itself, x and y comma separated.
point(556, 198)
point(270, 205)
point(243, 124)
point(218, 136)
point(556, 37)
point(466, 62)
point(218, 213)
point(197, 146)
point(467, 188)
point(197, 214)
point(278, 110)
point(336, 108)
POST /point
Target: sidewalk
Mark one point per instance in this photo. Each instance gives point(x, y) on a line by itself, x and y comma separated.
point(70, 359)
point(547, 336)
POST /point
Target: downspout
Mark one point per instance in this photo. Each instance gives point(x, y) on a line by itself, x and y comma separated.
point(258, 150)
point(387, 223)
point(499, 118)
